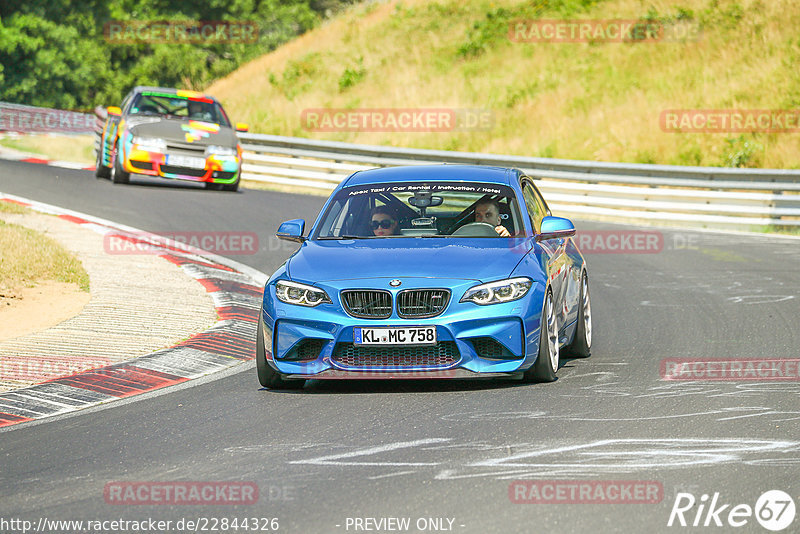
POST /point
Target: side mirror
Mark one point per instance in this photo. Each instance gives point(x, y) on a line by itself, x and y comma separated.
point(242, 127)
point(292, 230)
point(555, 228)
point(114, 110)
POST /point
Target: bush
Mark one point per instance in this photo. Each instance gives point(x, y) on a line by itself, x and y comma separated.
point(350, 77)
point(742, 152)
point(53, 54)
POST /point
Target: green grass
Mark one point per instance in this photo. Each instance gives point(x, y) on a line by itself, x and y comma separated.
point(778, 229)
point(75, 148)
point(12, 207)
point(27, 256)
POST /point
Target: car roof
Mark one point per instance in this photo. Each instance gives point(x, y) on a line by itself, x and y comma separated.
point(434, 173)
point(171, 91)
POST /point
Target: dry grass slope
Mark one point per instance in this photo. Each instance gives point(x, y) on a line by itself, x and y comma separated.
point(595, 101)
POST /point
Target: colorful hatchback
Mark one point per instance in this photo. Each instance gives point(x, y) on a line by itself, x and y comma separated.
point(170, 133)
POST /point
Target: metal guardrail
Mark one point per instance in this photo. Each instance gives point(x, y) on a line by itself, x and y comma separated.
point(716, 197)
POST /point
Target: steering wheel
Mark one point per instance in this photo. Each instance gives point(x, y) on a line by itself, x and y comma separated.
point(476, 229)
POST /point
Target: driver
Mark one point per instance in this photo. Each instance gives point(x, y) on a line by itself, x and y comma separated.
point(198, 111)
point(488, 211)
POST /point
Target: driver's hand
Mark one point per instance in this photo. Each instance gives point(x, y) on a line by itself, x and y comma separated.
point(502, 231)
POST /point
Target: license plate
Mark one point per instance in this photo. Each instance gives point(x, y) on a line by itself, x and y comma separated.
point(186, 161)
point(395, 335)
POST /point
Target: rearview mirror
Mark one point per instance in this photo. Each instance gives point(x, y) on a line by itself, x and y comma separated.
point(555, 228)
point(114, 110)
point(292, 230)
point(424, 199)
point(242, 127)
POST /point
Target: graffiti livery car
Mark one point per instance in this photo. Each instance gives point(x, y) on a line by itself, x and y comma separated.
point(170, 133)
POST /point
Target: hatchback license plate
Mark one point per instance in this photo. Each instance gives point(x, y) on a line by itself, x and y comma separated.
point(186, 161)
point(392, 335)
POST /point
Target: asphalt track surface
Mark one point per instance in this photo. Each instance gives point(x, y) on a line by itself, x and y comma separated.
point(444, 449)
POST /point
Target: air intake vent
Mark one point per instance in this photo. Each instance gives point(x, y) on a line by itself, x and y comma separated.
point(490, 349)
point(443, 354)
point(307, 349)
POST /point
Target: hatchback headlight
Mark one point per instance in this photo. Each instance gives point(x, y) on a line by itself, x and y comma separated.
point(217, 150)
point(497, 292)
point(300, 294)
point(150, 144)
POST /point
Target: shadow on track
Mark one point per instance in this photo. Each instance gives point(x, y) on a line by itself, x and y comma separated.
point(377, 386)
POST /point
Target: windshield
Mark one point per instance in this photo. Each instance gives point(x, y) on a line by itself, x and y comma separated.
point(418, 209)
point(201, 109)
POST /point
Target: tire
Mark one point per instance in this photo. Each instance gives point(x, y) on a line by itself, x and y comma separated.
point(118, 174)
point(223, 187)
point(267, 376)
point(231, 187)
point(100, 170)
point(581, 346)
point(544, 370)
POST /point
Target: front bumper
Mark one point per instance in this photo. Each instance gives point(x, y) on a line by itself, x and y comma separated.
point(494, 340)
point(335, 374)
point(217, 169)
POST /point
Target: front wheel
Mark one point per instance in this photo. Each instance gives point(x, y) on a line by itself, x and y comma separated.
point(118, 174)
point(581, 346)
point(100, 170)
point(267, 376)
point(544, 370)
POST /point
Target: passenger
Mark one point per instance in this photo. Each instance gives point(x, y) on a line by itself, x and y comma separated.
point(488, 211)
point(384, 221)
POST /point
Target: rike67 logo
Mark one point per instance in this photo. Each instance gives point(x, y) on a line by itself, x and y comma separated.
point(774, 510)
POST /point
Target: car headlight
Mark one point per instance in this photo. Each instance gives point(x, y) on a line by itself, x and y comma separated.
point(300, 294)
point(497, 292)
point(217, 150)
point(151, 144)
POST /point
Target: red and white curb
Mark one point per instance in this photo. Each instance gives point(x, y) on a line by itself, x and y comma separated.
point(236, 290)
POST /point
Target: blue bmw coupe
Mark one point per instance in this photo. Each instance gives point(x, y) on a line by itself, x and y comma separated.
point(441, 271)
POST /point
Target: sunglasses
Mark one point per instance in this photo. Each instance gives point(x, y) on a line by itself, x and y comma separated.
point(385, 224)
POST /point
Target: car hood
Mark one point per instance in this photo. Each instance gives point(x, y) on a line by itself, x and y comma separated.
point(453, 258)
point(185, 131)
